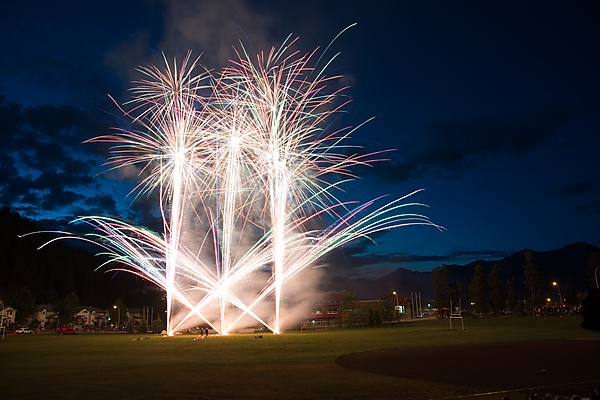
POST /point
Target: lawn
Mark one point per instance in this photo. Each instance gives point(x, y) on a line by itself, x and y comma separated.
point(294, 365)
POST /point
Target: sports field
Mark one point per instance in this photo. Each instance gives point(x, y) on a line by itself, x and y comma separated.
point(300, 365)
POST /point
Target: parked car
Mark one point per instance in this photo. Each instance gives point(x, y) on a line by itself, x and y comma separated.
point(66, 331)
point(23, 330)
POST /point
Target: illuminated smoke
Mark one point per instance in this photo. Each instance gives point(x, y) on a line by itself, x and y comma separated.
point(243, 166)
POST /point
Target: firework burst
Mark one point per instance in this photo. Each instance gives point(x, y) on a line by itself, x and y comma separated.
point(246, 155)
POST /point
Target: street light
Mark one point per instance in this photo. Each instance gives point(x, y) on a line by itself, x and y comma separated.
point(397, 309)
point(118, 317)
point(559, 295)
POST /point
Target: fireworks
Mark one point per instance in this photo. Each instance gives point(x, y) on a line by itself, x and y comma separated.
point(243, 166)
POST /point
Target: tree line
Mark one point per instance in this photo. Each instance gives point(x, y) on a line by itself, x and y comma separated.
point(492, 294)
point(51, 273)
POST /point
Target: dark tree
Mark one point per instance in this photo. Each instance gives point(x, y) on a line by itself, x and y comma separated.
point(457, 292)
point(387, 310)
point(477, 291)
point(143, 326)
point(497, 299)
point(67, 307)
point(570, 295)
point(23, 301)
point(440, 280)
point(532, 277)
point(373, 315)
point(157, 324)
point(512, 298)
point(594, 268)
point(349, 309)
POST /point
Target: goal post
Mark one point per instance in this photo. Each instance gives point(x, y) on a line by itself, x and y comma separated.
point(456, 314)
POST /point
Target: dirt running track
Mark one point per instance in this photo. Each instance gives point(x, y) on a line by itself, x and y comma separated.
point(571, 365)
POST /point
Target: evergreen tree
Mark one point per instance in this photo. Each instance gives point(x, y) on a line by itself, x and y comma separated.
point(143, 326)
point(386, 309)
point(67, 308)
point(23, 301)
point(532, 277)
point(512, 298)
point(457, 292)
point(594, 268)
point(477, 291)
point(373, 315)
point(570, 295)
point(349, 309)
point(440, 280)
point(497, 299)
point(157, 324)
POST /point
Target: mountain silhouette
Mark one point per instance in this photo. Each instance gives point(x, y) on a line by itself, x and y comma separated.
point(567, 264)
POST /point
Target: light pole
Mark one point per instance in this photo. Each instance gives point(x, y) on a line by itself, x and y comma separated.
point(559, 295)
point(2, 320)
point(118, 317)
point(397, 310)
point(596, 276)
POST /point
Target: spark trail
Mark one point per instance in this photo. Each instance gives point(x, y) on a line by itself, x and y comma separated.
point(245, 154)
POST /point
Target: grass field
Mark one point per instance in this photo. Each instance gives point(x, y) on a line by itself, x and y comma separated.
point(294, 365)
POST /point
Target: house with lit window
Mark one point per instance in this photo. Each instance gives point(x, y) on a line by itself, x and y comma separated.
point(88, 316)
point(7, 316)
point(47, 314)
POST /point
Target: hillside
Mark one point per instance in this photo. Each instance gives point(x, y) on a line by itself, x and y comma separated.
point(50, 273)
point(56, 270)
point(567, 264)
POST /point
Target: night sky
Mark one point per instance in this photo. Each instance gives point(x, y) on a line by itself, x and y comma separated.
point(492, 107)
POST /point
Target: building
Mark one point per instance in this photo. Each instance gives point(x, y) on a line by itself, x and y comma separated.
point(90, 317)
point(401, 303)
point(47, 314)
point(7, 315)
point(326, 310)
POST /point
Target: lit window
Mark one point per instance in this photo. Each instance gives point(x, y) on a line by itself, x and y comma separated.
point(332, 310)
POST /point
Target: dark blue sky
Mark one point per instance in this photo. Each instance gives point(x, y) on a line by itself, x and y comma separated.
point(493, 108)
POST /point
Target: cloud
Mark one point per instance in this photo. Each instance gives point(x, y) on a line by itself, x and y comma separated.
point(459, 255)
point(360, 257)
point(592, 207)
point(45, 167)
point(100, 204)
point(144, 211)
point(58, 198)
point(447, 149)
point(571, 189)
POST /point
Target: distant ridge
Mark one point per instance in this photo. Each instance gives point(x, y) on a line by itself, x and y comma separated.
point(568, 263)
